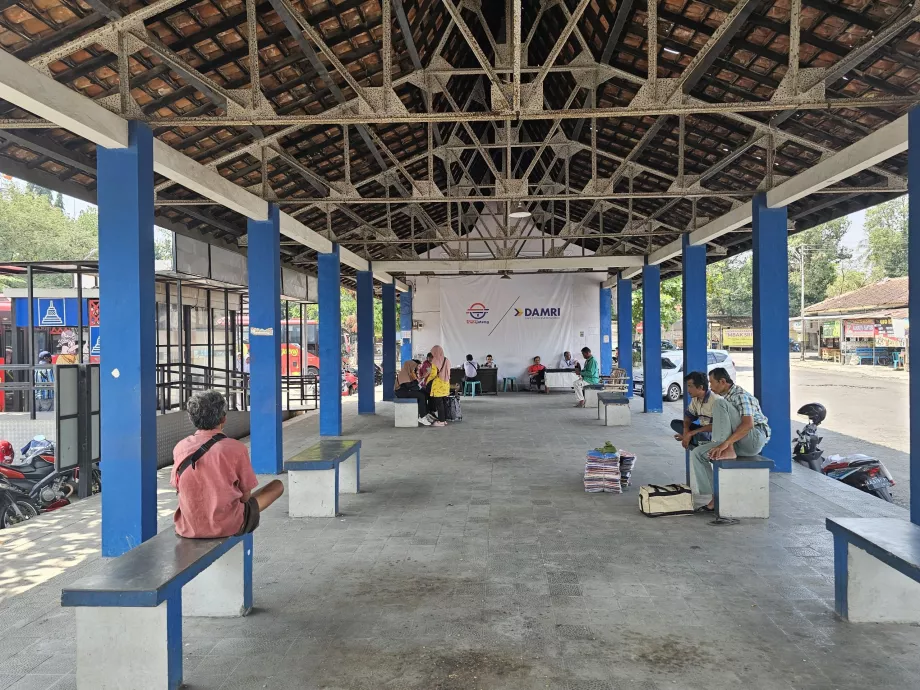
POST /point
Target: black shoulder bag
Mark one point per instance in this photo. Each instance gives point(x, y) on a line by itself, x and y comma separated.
point(197, 455)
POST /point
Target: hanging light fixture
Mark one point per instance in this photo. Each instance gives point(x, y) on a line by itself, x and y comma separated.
point(519, 211)
point(505, 276)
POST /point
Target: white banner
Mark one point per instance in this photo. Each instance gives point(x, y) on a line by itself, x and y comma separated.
point(512, 320)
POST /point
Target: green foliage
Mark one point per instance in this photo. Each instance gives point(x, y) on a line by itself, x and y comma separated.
point(847, 280)
point(823, 252)
point(729, 286)
point(670, 302)
point(59, 201)
point(162, 244)
point(349, 303)
point(886, 239)
point(33, 229)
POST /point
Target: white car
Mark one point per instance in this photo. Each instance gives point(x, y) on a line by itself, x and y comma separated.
point(672, 372)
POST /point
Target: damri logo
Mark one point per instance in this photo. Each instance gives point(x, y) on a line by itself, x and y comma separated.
point(477, 313)
point(539, 312)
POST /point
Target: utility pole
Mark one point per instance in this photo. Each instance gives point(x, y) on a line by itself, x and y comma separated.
point(802, 336)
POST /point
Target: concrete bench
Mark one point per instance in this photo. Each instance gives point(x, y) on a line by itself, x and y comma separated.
point(591, 393)
point(876, 569)
point(129, 613)
point(317, 475)
point(741, 487)
point(405, 415)
point(616, 409)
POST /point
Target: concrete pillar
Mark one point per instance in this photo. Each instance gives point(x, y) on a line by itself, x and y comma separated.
point(405, 324)
point(651, 338)
point(365, 342)
point(771, 327)
point(605, 356)
point(625, 329)
point(388, 295)
point(263, 260)
point(696, 338)
point(913, 258)
point(330, 344)
point(127, 372)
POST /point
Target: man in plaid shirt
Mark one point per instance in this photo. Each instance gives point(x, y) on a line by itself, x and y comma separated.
point(739, 428)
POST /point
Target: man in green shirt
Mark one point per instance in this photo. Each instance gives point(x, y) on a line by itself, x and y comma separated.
point(589, 376)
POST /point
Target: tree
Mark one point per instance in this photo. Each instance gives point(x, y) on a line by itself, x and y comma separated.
point(823, 253)
point(847, 280)
point(59, 201)
point(671, 302)
point(38, 190)
point(162, 244)
point(349, 304)
point(886, 239)
point(730, 286)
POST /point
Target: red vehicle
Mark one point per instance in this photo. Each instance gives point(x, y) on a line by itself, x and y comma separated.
point(349, 382)
point(297, 336)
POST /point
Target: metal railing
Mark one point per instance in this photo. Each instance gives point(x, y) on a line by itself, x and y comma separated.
point(19, 389)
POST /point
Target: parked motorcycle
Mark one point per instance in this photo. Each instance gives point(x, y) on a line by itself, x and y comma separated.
point(859, 471)
point(14, 506)
point(35, 477)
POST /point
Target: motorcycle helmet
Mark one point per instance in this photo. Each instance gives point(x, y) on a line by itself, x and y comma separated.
point(6, 453)
point(815, 412)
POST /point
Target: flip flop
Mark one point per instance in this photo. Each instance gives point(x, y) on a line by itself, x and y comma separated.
point(704, 509)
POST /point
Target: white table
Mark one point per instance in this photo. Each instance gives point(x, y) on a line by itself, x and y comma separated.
point(560, 379)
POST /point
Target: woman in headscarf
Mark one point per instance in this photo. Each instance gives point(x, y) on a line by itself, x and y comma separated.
point(439, 377)
point(407, 387)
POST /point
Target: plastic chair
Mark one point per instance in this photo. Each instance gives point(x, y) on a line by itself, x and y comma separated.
point(506, 380)
point(469, 388)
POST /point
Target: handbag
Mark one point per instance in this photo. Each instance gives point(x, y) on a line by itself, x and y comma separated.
point(452, 408)
point(671, 499)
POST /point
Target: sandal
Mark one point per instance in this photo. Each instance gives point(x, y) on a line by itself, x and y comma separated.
point(704, 509)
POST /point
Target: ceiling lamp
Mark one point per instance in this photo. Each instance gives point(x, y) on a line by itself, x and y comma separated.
point(519, 211)
point(505, 276)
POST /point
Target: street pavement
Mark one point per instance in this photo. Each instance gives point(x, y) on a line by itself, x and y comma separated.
point(867, 410)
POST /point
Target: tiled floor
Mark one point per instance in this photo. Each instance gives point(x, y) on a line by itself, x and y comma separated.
point(474, 559)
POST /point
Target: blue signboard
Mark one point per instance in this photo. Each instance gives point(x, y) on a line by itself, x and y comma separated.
point(95, 346)
point(54, 312)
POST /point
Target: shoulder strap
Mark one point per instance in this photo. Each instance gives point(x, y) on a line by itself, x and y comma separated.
point(198, 454)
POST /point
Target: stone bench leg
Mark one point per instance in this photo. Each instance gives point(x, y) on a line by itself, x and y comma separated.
point(406, 414)
point(741, 493)
point(617, 415)
point(223, 589)
point(866, 590)
point(130, 647)
point(591, 397)
point(313, 493)
point(350, 474)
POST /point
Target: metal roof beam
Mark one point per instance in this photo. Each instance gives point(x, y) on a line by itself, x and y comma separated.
point(416, 267)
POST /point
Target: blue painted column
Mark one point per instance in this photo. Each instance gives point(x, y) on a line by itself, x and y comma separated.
point(605, 356)
point(365, 342)
point(330, 344)
point(651, 338)
point(127, 371)
point(693, 306)
point(913, 258)
point(625, 329)
point(263, 260)
point(771, 327)
point(388, 295)
point(696, 338)
point(405, 325)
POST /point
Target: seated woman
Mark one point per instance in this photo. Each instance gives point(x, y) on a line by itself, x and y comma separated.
point(407, 386)
point(214, 478)
point(537, 374)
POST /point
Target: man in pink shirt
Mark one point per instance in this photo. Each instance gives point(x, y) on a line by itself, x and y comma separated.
point(214, 477)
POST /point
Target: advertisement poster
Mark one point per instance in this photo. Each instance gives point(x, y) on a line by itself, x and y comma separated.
point(737, 337)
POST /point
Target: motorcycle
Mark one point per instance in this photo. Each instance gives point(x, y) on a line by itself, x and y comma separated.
point(34, 476)
point(14, 506)
point(859, 471)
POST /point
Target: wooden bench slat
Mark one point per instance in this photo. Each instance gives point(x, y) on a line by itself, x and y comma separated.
point(148, 574)
point(893, 541)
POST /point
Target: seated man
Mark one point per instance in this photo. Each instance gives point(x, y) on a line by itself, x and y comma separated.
point(537, 374)
point(489, 363)
point(739, 428)
point(567, 361)
point(590, 376)
point(214, 479)
point(696, 426)
point(470, 369)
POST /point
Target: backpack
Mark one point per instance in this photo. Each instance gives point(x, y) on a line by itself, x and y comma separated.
point(452, 406)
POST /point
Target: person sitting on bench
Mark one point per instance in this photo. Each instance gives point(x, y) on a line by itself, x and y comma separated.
point(589, 376)
point(537, 375)
point(407, 386)
point(214, 478)
point(471, 369)
point(739, 427)
point(696, 426)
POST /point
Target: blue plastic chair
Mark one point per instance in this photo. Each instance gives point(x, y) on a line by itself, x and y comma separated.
point(469, 388)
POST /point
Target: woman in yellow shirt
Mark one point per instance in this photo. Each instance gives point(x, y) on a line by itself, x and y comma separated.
point(439, 378)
